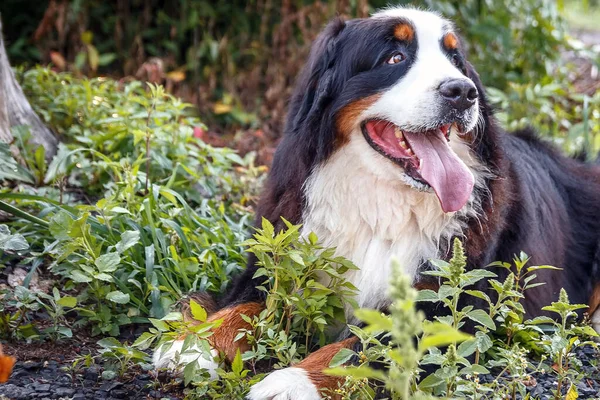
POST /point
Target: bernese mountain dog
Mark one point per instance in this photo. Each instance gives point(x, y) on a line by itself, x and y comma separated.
point(391, 150)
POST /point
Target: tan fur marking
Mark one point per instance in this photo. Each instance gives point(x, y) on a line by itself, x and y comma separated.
point(222, 337)
point(594, 301)
point(404, 32)
point(346, 119)
point(315, 363)
point(450, 41)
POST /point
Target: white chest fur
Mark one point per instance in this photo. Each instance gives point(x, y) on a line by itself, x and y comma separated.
point(358, 203)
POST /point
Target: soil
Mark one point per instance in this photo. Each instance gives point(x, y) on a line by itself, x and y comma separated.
point(45, 371)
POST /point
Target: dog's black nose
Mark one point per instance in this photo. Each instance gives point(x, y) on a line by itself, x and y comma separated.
point(460, 93)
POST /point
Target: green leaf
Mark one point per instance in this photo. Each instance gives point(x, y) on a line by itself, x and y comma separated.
point(376, 320)
point(482, 318)
point(67, 301)
point(60, 225)
point(108, 375)
point(479, 294)
point(104, 277)
point(109, 343)
point(10, 242)
point(80, 277)
point(440, 334)
point(118, 297)
point(484, 343)
point(427, 295)
point(144, 341)
point(237, 365)
point(108, 262)
point(538, 267)
point(198, 312)
point(430, 381)
point(128, 240)
point(356, 372)
point(467, 347)
point(341, 357)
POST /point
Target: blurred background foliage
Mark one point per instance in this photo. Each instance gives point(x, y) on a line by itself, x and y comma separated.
point(237, 60)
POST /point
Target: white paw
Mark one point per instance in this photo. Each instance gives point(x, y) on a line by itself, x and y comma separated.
point(173, 359)
point(285, 384)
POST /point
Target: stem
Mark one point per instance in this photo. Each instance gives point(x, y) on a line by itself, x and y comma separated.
point(22, 214)
point(148, 143)
point(147, 160)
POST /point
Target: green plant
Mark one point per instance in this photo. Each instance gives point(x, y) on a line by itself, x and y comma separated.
point(298, 305)
point(168, 213)
point(555, 109)
point(500, 347)
point(74, 369)
point(56, 305)
point(120, 357)
point(401, 327)
point(566, 337)
point(15, 310)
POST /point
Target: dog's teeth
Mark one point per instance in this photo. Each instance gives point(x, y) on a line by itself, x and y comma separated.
point(403, 144)
point(398, 133)
point(409, 152)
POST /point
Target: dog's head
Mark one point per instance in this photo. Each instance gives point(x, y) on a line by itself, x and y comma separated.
point(399, 82)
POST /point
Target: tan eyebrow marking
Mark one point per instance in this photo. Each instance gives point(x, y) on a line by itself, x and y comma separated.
point(450, 41)
point(404, 32)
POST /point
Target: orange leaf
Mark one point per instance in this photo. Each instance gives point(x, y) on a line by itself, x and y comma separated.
point(176, 76)
point(58, 60)
point(6, 366)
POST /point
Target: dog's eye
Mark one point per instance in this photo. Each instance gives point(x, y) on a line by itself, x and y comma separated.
point(396, 58)
point(455, 60)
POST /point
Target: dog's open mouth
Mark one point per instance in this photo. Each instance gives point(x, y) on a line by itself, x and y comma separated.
point(426, 157)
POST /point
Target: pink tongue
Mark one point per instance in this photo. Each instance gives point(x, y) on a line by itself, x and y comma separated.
point(442, 169)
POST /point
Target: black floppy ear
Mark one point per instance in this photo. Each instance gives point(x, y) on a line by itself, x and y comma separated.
point(308, 128)
point(315, 86)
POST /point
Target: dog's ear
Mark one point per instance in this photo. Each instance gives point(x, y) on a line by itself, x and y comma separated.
point(316, 84)
point(307, 128)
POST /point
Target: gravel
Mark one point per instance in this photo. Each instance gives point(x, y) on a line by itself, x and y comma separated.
point(46, 380)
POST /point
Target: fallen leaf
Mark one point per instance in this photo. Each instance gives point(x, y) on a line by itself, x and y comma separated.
point(6, 366)
point(220, 108)
point(58, 60)
point(176, 76)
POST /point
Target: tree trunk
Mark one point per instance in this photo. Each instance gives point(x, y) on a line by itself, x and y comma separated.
point(16, 110)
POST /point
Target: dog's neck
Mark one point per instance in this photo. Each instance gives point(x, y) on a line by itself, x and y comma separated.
point(357, 202)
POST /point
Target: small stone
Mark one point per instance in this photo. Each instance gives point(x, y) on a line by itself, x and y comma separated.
point(91, 374)
point(41, 387)
point(64, 392)
point(31, 365)
point(119, 393)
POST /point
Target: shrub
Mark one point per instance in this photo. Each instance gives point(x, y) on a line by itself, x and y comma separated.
point(245, 55)
point(500, 344)
point(142, 211)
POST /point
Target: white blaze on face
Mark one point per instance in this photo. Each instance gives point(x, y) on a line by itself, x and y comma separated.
point(413, 103)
